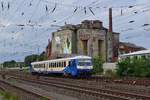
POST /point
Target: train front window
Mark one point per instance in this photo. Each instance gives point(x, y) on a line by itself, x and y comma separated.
point(84, 62)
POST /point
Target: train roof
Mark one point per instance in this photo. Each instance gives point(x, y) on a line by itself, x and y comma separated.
point(61, 59)
point(137, 53)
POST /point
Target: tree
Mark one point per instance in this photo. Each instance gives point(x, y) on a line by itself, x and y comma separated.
point(31, 58)
point(9, 63)
point(43, 56)
point(34, 57)
point(97, 65)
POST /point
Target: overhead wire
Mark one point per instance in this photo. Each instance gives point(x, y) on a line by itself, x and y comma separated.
point(84, 10)
point(68, 17)
point(129, 15)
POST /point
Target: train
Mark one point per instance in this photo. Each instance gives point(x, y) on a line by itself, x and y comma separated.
point(71, 66)
point(145, 54)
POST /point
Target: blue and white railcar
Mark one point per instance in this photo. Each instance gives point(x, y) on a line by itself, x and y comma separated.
point(73, 66)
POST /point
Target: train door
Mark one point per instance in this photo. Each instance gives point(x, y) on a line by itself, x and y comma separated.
point(71, 68)
point(46, 67)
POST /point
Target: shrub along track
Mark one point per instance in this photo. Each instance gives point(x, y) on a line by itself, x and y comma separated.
point(91, 91)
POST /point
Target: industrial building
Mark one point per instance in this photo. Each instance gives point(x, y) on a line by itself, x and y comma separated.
point(88, 38)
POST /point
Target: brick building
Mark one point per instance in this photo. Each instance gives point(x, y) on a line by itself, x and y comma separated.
point(126, 47)
point(48, 49)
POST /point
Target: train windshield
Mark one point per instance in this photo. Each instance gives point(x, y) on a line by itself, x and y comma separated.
point(84, 62)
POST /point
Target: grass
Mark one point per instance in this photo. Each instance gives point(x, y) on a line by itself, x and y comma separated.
point(44, 98)
point(8, 96)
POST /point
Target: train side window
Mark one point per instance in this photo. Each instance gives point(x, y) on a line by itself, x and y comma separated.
point(49, 65)
point(64, 64)
point(143, 57)
point(60, 64)
point(148, 56)
point(57, 64)
point(135, 57)
point(52, 64)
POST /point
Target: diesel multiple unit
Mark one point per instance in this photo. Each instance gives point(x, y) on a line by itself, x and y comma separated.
point(73, 66)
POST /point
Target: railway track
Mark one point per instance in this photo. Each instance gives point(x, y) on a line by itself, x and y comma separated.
point(99, 93)
point(128, 81)
point(22, 93)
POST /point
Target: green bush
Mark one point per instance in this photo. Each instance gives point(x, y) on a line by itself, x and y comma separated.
point(134, 67)
point(97, 65)
point(8, 96)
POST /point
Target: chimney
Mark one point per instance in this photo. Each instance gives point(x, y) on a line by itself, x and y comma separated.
point(110, 20)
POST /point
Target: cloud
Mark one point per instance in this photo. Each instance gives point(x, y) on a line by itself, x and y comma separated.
point(27, 25)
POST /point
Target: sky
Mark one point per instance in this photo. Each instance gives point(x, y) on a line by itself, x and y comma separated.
point(26, 25)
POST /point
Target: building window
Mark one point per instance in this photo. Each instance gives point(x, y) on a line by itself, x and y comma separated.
point(85, 47)
point(99, 47)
